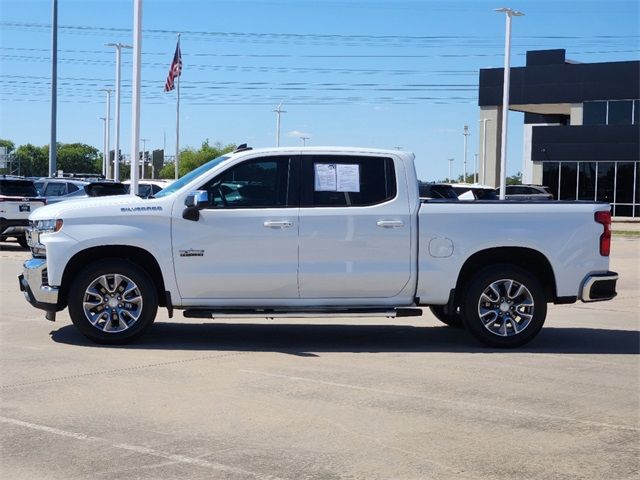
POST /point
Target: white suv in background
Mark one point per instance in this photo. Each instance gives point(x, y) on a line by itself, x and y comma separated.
point(528, 192)
point(18, 198)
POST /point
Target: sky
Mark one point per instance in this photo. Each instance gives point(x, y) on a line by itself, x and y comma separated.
point(377, 73)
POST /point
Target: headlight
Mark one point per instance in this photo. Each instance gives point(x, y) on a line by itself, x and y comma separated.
point(49, 225)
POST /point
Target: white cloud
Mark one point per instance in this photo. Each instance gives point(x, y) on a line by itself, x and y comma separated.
point(298, 134)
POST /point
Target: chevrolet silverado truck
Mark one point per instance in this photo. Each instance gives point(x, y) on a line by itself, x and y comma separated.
point(311, 232)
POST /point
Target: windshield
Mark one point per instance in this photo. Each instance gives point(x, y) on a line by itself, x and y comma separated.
point(178, 184)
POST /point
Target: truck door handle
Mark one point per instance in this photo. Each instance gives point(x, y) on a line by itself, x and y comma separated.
point(278, 224)
point(390, 223)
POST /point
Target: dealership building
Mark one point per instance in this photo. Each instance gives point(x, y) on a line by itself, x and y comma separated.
point(581, 127)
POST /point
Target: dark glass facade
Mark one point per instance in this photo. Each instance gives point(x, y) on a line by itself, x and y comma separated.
point(594, 113)
point(587, 181)
point(620, 112)
point(617, 183)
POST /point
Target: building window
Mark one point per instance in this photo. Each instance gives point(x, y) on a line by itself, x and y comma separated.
point(550, 177)
point(624, 183)
point(587, 181)
point(620, 112)
point(594, 113)
point(637, 186)
point(568, 175)
point(636, 112)
point(606, 172)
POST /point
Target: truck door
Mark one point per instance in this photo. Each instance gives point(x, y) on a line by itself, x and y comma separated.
point(355, 227)
point(245, 243)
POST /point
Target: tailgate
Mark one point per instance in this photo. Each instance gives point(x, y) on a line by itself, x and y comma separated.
point(13, 208)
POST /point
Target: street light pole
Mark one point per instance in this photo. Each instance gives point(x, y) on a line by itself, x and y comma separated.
point(505, 96)
point(107, 132)
point(105, 148)
point(116, 156)
point(304, 140)
point(278, 111)
point(450, 162)
point(53, 153)
point(464, 168)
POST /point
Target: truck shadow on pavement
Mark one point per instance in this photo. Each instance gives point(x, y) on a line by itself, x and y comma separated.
point(312, 339)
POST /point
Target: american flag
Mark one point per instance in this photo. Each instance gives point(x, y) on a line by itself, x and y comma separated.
point(174, 70)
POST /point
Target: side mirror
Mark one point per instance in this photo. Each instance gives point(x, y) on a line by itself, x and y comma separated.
point(195, 202)
point(198, 199)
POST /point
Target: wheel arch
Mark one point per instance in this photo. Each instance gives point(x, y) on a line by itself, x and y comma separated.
point(528, 259)
point(136, 255)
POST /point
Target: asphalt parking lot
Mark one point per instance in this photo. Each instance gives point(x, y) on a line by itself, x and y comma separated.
point(389, 399)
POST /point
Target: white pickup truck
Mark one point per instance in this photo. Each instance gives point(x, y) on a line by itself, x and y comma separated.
point(305, 232)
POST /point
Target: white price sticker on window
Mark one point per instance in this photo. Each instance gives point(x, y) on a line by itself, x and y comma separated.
point(325, 177)
point(348, 177)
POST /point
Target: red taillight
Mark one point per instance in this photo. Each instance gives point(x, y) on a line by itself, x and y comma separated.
point(604, 218)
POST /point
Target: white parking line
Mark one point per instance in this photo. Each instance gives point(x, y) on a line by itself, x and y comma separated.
point(138, 449)
point(459, 403)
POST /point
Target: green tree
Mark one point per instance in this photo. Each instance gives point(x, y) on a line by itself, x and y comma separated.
point(8, 144)
point(78, 158)
point(34, 161)
point(191, 158)
point(515, 179)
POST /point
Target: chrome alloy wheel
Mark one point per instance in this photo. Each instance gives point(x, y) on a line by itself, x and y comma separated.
point(506, 307)
point(112, 303)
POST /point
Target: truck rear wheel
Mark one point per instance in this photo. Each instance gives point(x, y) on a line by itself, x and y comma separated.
point(451, 319)
point(112, 301)
point(504, 306)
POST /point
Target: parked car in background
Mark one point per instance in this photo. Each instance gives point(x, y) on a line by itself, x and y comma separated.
point(18, 198)
point(436, 190)
point(527, 192)
point(474, 191)
point(100, 188)
point(148, 188)
point(58, 187)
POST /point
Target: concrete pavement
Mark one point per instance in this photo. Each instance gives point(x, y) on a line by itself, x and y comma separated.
point(316, 398)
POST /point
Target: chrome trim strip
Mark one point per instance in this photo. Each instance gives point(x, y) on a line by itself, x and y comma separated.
point(32, 271)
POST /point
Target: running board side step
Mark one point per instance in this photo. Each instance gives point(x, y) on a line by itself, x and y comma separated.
point(272, 313)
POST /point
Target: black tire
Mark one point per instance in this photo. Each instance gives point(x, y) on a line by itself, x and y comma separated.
point(452, 319)
point(144, 293)
point(507, 314)
point(22, 241)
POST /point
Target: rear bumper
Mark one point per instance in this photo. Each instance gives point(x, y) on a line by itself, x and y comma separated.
point(599, 287)
point(33, 283)
point(13, 227)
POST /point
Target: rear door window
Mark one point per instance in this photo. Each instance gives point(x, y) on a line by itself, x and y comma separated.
point(347, 181)
point(55, 189)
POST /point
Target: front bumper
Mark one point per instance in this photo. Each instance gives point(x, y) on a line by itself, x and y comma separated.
point(599, 287)
point(34, 284)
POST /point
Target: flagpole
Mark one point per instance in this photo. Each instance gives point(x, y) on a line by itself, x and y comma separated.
point(178, 118)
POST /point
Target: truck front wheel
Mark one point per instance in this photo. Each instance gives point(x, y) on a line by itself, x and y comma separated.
point(112, 301)
point(504, 306)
